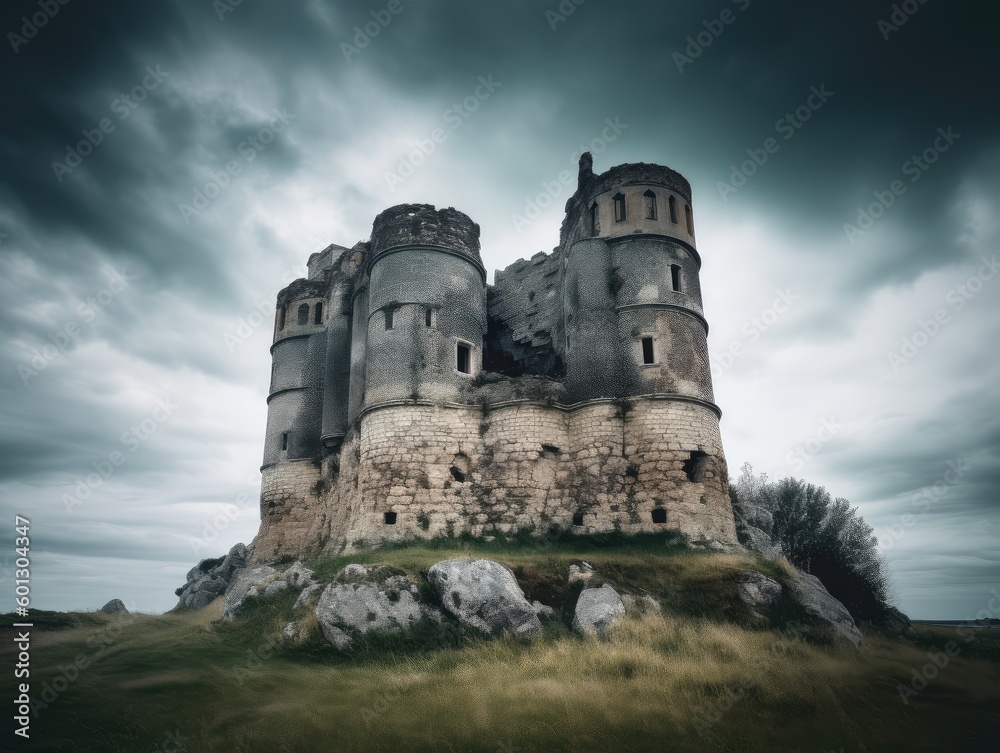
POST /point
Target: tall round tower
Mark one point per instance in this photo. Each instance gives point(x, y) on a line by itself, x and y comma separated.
point(635, 330)
point(426, 312)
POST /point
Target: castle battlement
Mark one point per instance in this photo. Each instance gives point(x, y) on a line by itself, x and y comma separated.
point(409, 399)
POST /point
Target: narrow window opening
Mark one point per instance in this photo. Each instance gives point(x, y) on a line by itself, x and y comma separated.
point(284, 441)
point(578, 518)
point(647, 350)
point(464, 358)
point(303, 314)
point(319, 314)
point(460, 467)
point(659, 515)
point(429, 317)
point(595, 220)
point(388, 318)
point(619, 200)
point(675, 277)
point(672, 202)
point(281, 317)
point(689, 219)
point(650, 205)
point(694, 466)
point(390, 518)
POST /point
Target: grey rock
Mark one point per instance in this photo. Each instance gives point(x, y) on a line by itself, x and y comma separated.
point(298, 576)
point(545, 613)
point(294, 632)
point(598, 610)
point(894, 622)
point(485, 595)
point(115, 606)
point(210, 578)
point(758, 591)
point(247, 582)
point(273, 588)
point(383, 605)
point(580, 572)
point(758, 541)
point(308, 596)
point(809, 592)
point(641, 605)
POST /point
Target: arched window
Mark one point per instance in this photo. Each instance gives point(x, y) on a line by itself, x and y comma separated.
point(673, 209)
point(319, 314)
point(281, 318)
point(689, 218)
point(650, 198)
point(595, 220)
point(619, 200)
point(304, 314)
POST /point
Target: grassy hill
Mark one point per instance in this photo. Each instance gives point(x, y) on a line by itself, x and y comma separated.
point(704, 675)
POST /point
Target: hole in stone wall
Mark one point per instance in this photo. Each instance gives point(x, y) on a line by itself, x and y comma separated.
point(463, 362)
point(675, 277)
point(281, 317)
point(303, 314)
point(550, 451)
point(650, 198)
point(659, 515)
point(284, 441)
point(619, 200)
point(647, 350)
point(429, 317)
point(390, 518)
point(460, 467)
point(578, 518)
point(673, 209)
point(694, 466)
point(318, 319)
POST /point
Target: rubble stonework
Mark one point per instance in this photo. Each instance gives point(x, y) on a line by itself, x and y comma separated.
point(409, 399)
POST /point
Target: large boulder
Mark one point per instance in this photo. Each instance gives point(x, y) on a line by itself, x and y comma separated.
point(115, 606)
point(370, 600)
point(264, 581)
point(209, 579)
point(809, 593)
point(893, 622)
point(485, 595)
point(757, 540)
point(598, 610)
point(757, 591)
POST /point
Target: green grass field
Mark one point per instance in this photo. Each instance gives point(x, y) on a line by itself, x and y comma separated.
point(701, 677)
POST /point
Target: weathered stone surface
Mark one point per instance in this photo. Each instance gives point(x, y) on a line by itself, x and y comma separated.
point(115, 606)
point(485, 595)
point(265, 581)
point(641, 605)
point(809, 592)
point(308, 596)
point(758, 541)
point(209, 579)
point(758, 591)
point(580, 572)
point(598, 610)
point(363, 600)
point(894, 622)
point(545, 613)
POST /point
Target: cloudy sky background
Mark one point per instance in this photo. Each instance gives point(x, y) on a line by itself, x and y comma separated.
point(181, 332)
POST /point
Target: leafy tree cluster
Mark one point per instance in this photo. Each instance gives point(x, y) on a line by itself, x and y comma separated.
point(822, 536)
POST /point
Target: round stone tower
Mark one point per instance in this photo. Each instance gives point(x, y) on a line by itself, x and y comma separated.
point(426, 307)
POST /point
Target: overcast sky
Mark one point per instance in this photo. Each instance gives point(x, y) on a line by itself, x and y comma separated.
point(133, 342)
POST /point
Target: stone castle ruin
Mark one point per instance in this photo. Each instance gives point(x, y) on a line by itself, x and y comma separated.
point(409, 399)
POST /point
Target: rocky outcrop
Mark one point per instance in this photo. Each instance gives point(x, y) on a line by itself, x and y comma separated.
point(893, 622)
point(580, 572)
point(115, 606)
point(209, 579)
point(485, 595)
point(370, 600)
point(598, 610)
point(264, 581)
point(810, 594)
point(758, 591)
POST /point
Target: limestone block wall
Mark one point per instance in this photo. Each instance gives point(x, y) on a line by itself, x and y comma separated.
point(293, 517)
